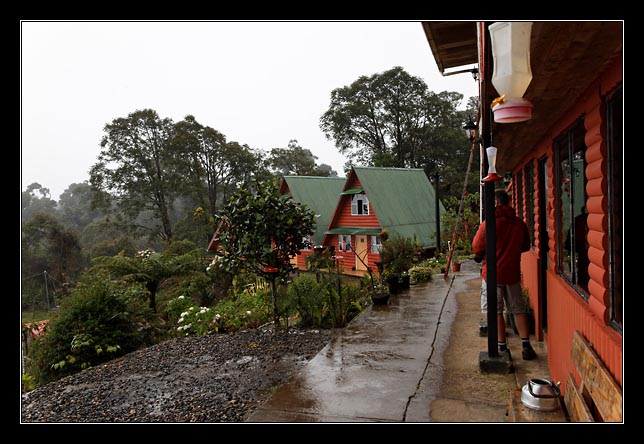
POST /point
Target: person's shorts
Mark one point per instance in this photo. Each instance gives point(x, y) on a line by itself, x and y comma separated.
point(508, 294)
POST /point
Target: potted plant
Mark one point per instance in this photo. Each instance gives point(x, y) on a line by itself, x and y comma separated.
point(397, 256)
point(405, 279)
point(392, 281)
point(379, 294)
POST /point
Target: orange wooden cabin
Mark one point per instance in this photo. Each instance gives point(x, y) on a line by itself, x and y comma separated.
point(566, 165)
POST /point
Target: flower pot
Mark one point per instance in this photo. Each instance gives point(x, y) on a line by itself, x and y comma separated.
point(405, 281)
point(392, 283)
point(456, 266)
point(380, 298)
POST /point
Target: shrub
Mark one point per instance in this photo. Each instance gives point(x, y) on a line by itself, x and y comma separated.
point(421, 274)
point(398, 254)
point(198, 321)
point(249, 308)
point(306, 295)
point(175, 307)
point(100, 320)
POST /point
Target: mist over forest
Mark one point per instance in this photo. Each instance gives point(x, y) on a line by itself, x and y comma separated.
point(158, 183)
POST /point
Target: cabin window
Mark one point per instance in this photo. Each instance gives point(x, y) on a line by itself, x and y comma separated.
point(529, 199)
point(307, 241)
point(572, 245)
point(376, 244)
point(615, 175)
point(344, 242)
point(359, 205)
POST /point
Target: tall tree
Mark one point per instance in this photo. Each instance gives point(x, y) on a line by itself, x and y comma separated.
point(391, 119)
point(213, 167)
point(247, 165)
point(48, 246)
point(295, 160)
point(74, 206)
point(135, 166)
point(36, 199)
point(202, 154)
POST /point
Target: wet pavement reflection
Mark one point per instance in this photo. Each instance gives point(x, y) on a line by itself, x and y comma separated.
point(385, 366)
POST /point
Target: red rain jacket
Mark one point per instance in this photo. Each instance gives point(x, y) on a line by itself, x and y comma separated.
point(512, 239)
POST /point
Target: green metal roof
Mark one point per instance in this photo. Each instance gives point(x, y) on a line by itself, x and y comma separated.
point(354, 230)
point(320, 194)
point(403, 200)
point(353, 190)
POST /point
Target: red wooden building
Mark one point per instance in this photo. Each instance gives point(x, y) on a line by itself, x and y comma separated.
point(400, 201)
point(566, 164)
point(319, 194)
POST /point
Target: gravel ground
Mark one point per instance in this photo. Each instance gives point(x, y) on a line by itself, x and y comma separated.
point(217, 378)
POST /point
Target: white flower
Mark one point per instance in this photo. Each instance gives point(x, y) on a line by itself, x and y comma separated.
point(184, 314)
point(217, 316)
point(181, 297)
point(248, 312)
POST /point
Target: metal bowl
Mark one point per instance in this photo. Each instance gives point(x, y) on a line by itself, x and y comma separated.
point(540, 394)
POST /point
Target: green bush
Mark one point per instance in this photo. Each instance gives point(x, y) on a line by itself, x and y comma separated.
point(100, 320)
point(306, 296)
point(398, 254)
point(248, 309)
point(175, 307)
point(420, 273)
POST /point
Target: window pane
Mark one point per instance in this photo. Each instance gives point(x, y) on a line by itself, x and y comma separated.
point(573, 247)
point(615, 199)
point(564, 202)
point(580, 215)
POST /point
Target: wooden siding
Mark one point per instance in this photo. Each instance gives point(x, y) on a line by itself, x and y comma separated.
point(344, 218)
point(568, 312)
point(567, 309)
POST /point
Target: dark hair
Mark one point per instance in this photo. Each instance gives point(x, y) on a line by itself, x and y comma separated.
point(502, 197)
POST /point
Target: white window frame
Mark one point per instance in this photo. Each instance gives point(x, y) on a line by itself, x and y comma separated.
point(344, 242)
point(360, 210)
point(376, 243)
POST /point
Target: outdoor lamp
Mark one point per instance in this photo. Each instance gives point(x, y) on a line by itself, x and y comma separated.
point(512, 73)
point(491, 160)
point(471, 129)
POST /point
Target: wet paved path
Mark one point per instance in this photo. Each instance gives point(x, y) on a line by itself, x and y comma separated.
point(385, 366)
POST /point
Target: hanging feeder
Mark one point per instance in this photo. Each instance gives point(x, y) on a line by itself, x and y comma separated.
point(512, 73)
point(512, 110)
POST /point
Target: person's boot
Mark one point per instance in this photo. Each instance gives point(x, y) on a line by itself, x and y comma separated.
point(528, 353)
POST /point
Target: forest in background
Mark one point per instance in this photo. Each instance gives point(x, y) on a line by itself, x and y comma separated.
point(159, 184)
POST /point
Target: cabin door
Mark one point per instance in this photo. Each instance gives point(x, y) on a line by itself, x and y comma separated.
point(361, 251)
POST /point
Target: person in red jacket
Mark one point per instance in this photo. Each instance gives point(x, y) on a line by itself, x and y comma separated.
point(512, 239)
